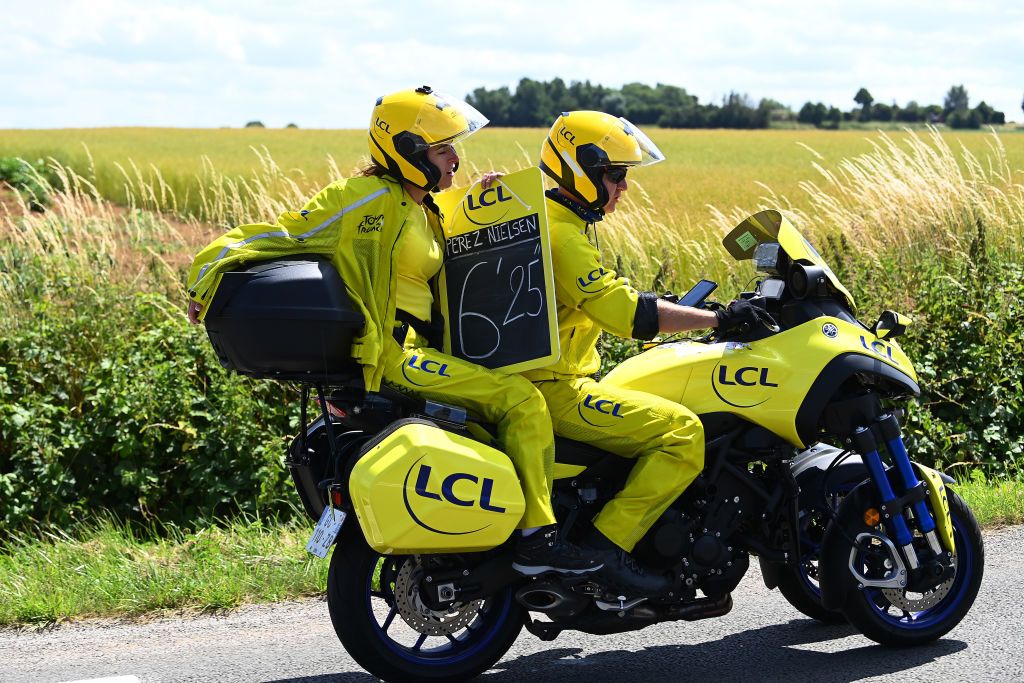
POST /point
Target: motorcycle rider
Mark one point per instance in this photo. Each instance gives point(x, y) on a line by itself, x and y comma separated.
point(588, 154)
point(381, 231)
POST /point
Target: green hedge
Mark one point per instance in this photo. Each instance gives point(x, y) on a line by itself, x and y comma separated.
point(34, 180)
point(967, 345)
point(111, 400)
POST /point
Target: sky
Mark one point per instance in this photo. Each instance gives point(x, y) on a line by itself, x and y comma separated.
point(89, 63)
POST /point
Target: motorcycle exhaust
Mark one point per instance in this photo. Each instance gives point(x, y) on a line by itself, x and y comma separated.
point(704, 608)
point(607, 623)
point(552, 599)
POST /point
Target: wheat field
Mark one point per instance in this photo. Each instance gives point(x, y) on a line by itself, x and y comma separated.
point(724, 169)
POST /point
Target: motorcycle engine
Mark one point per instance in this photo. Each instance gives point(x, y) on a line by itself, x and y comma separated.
point(715, 566)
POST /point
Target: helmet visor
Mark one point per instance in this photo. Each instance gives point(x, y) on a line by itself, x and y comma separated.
point(649, 152)
point(474, 120)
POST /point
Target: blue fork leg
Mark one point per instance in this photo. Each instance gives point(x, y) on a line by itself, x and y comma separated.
point(890, 428)
point(865, 443)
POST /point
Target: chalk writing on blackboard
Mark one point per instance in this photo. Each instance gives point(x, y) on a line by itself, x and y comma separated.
point(497, 275)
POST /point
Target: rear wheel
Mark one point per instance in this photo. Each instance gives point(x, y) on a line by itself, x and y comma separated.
point(900, 617)
point(383, 623)
point(800, 585)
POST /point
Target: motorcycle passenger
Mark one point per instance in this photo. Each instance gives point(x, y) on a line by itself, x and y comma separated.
point(381, 231)
point(588, 154)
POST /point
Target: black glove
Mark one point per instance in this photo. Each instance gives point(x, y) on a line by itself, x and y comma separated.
point(735, 315)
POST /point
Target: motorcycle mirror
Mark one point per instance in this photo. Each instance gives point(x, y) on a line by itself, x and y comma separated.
point(890, 324)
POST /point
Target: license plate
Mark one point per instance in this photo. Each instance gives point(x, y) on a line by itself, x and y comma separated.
point(325, 532)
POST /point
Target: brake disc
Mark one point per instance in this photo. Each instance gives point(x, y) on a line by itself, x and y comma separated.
point(419, 616)
point(901, 598)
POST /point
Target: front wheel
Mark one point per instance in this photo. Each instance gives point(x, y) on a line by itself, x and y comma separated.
point(383, 623)
point(899, 617)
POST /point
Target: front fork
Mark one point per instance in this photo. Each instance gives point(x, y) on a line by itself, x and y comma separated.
point(912, 501)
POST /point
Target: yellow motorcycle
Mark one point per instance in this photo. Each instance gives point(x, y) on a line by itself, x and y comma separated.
point(419, 505)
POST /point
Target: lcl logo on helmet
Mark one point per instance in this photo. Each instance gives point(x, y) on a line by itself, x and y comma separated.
point(569, 136)
point(382, 125)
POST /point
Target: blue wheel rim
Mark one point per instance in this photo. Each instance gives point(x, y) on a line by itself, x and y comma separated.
point(453, 649)
point(936, 614)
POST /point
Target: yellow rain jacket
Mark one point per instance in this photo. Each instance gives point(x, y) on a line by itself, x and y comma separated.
point(590, 299)
point(357, 223)
point(666, 439)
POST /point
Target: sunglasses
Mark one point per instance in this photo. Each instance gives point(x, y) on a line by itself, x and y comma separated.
point(616, 174)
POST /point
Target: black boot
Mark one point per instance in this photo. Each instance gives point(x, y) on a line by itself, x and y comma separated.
point(624, 574)
point(542, 551)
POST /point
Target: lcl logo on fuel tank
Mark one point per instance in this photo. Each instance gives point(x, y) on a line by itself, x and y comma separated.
point(743, 387)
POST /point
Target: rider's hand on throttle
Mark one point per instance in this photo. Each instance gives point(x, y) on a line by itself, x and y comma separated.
point(736, 314)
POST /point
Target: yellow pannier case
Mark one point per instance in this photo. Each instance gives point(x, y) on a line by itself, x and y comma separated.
point(420, 489)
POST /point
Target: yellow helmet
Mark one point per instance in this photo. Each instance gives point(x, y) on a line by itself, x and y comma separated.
point(582, 144)
point(407, 123)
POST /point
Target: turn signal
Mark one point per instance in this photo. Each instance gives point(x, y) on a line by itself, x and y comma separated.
point(872, 517)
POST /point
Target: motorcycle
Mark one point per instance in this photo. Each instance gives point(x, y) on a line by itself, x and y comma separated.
point(421, 585)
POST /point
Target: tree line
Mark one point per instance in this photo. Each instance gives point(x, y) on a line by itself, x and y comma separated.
point(955, 111)
point(534, 103)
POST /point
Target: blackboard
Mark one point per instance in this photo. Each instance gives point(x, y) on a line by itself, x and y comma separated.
point(497, 282)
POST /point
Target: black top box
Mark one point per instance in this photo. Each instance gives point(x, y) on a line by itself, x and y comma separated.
point(286, 319)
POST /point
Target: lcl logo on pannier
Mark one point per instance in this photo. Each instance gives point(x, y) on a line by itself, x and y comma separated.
point(448, 489)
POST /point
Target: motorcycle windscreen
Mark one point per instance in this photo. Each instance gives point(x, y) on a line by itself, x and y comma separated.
point(772, 226)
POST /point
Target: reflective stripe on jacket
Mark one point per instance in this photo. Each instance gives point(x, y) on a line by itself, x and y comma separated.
point(357, 224)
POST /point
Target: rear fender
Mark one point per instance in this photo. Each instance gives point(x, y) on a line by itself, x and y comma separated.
point(312, 467)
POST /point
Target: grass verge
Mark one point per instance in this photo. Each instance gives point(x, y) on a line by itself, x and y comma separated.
point(110, 571)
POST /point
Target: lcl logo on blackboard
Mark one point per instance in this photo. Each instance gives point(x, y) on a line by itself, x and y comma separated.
point(484, 200)
point(488, 207)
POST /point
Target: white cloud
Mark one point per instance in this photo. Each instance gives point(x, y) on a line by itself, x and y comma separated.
point(321, 64)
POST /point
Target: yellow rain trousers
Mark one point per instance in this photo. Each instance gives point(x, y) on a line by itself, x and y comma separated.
point(666, 439)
